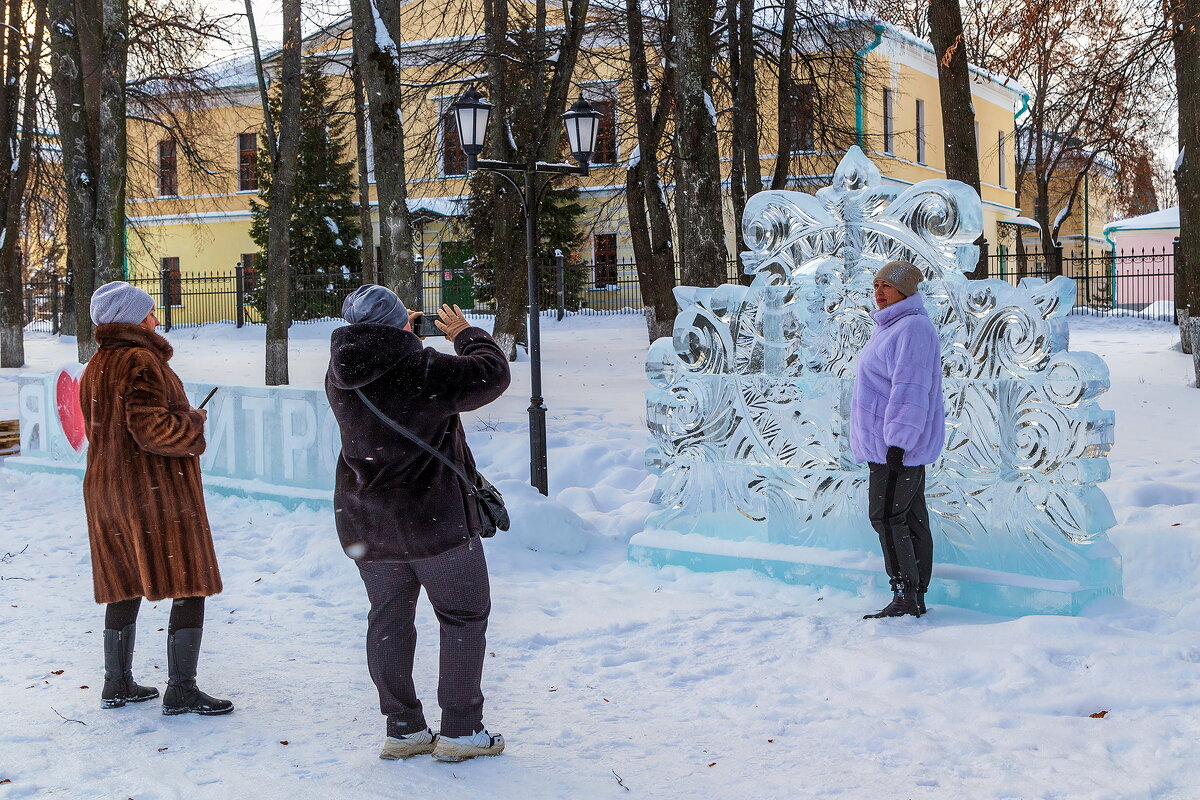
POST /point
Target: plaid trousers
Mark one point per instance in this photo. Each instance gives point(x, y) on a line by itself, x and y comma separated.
point(456, 583)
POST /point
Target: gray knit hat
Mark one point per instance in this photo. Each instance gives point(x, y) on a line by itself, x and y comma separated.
point(904, 275)
point(378, 305)
point(120, 302)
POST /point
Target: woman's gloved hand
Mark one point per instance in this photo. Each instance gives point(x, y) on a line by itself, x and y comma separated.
point(451, 321)
point(895, 458)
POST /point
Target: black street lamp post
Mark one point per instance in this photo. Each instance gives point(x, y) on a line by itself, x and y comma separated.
point(471, 112)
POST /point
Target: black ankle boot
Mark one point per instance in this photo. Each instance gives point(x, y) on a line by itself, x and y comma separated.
point(904, 604)
point(921, 603)
point(119, 686)
point(182, 696)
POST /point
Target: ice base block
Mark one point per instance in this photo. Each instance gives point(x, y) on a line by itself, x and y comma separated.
point(1000, 593)
point(290, 497)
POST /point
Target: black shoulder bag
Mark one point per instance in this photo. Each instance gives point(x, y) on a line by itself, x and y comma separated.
point(493, 515)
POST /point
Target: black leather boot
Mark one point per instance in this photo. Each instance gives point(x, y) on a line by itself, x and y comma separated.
point(904, 604)
point(119, 686)
point(182, 696)
point(921, 603)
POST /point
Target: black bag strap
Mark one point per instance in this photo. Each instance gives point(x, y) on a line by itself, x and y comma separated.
point(398, 428)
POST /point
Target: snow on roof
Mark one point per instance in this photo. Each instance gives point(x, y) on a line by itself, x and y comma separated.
point(438, 206)
point(231, 73)
point(1024, 222)
point(1156, 220)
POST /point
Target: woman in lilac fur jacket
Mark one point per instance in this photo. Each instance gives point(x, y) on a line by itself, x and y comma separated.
point(898, 425)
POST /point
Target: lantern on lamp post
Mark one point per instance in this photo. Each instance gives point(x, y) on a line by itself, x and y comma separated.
point(582, 123)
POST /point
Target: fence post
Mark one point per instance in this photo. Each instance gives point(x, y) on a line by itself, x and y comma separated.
point(560, 283)
point(983, 257)
point(55, 326)
point(1176, 274)
point(239, 299)
point(164, 289)
point(1059, 261)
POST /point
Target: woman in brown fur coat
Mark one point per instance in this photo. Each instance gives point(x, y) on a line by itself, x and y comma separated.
point(147, 524)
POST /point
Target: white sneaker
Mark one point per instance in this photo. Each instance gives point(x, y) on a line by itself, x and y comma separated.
point(461, 748)
point(413, 744)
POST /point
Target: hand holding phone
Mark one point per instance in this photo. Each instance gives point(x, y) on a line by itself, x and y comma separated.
point(423, 325)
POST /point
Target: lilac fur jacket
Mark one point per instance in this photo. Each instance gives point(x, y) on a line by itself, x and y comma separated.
point(898, 391)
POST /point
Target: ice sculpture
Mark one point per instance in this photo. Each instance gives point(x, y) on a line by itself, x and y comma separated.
point(750, 407)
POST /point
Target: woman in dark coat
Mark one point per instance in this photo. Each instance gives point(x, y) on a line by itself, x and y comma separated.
point(147, 524)
point(406, 518)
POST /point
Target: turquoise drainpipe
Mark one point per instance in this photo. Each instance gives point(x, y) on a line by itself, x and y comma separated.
point(1024, 105)
point(1112, 270)
point(859, 60)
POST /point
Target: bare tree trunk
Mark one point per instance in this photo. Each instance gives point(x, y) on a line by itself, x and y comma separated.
point(737, 142)
point(508, 267)
point(958, 112)
point(367, 237)
point(12, 342)
point(381, 83)
point(746, 118)
point(110, 189)
point(88, 54)
point(508, 246)
point(649, 217)
point(784, 104)
point(698, 213)
point(1042, 215)
point(1184, 16)
point(279, 215)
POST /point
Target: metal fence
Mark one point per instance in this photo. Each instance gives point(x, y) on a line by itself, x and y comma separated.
point(1128, 283)
point(238, 295)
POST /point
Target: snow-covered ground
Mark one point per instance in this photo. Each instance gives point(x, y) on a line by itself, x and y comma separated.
point(608, 679)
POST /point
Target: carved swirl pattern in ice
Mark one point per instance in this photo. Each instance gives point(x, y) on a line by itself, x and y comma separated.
point(750, 405)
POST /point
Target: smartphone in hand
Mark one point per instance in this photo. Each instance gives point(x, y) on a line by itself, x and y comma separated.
point(423, 325)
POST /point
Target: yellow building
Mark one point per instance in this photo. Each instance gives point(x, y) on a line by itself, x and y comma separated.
point(195, 222)
point(1082, 230)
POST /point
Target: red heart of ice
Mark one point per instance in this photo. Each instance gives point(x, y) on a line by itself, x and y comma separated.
point(70, 415)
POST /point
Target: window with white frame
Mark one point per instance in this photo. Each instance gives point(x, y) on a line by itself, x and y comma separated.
point(889, 124)
point(920, 131)
point(454, 160)
point(604, 259)
point(1000, 151)
point(802, 130)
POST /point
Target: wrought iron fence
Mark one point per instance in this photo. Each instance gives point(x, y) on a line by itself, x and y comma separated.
point(1137, 283)
point(237, 296)
point(1127, 283)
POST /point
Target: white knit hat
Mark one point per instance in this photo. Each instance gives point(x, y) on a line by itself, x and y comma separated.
point(120, 302)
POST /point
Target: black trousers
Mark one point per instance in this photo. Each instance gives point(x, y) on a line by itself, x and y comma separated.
point(457, 585)
point(900, 517)
point(186, 612)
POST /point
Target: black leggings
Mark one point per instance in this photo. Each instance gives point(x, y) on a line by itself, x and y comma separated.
point(186, 612)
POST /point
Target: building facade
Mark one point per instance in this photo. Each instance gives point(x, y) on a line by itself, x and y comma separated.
point(191, 221)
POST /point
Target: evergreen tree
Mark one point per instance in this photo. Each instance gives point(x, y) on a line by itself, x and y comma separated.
point(324, 256)
point(556, 228)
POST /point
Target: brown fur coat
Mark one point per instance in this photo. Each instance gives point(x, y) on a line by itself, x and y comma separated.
point(145, 503)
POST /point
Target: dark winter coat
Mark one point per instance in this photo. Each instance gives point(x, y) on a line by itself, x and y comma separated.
point(393, 501)
point(147, 523)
